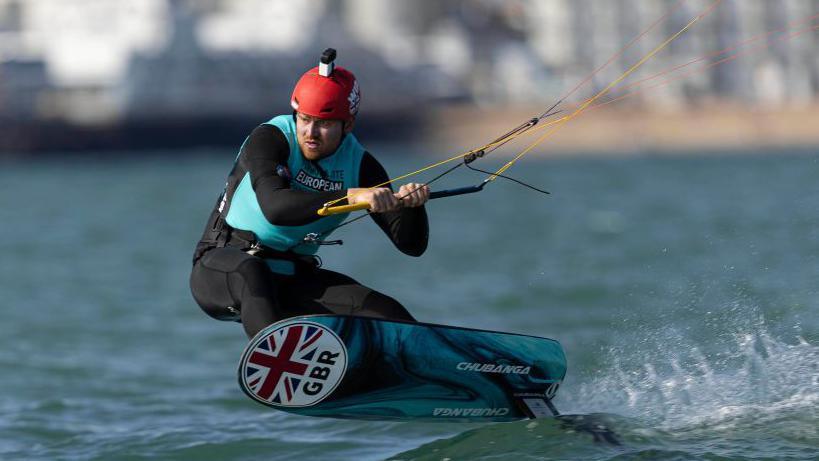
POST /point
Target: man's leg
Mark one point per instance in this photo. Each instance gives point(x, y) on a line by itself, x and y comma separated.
point(322, 290)
point(227, 280)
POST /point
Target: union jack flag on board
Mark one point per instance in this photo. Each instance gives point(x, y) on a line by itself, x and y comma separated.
point(281, 368)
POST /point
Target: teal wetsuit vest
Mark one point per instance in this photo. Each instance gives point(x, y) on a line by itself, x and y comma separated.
point(341, 169)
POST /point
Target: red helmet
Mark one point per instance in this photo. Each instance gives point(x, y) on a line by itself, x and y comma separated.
point(327, 91)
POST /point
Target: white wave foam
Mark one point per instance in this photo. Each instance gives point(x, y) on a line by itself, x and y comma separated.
point(740, 374)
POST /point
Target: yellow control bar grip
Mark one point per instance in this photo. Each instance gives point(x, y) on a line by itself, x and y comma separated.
point(331, 210)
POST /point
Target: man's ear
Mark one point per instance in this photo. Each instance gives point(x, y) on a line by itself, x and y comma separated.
point(348, 125)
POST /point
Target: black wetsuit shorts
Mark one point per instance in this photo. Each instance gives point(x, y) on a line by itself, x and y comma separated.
point(230, 284)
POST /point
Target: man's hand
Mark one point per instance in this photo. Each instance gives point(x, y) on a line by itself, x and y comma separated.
point(382, 199)
point(413, 194)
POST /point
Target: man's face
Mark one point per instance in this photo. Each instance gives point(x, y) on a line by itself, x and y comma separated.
point(318, 137)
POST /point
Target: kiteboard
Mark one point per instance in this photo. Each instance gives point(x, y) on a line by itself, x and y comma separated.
point(365, 368)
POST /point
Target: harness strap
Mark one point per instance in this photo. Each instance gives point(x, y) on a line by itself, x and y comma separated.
point(249, 243)
point(218, 234)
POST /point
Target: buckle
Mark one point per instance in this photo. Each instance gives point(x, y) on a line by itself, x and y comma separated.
point(254, 249)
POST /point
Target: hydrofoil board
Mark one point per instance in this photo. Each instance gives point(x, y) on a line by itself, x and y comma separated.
point(366, 368)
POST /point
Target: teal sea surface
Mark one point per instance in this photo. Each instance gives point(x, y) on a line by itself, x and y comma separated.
point(684, 289)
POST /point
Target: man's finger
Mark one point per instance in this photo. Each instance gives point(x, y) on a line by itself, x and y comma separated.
point(415, 194)
point(411, 196)
point(412, 193)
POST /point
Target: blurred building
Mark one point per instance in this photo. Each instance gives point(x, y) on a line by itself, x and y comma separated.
point(93, 62)
point(205, 69)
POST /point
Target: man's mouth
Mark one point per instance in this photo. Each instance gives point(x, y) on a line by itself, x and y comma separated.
point(311, 144)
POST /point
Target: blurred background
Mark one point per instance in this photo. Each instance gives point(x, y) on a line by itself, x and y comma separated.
point(676, 260)
point(96, 74)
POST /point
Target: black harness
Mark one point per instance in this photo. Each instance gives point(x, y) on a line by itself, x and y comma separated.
point(218, 234)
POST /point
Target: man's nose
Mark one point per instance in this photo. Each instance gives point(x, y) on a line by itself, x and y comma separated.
point(312, 128)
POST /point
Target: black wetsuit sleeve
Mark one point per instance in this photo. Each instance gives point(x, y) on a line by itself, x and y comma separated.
point(408, 228)
point(262, 153)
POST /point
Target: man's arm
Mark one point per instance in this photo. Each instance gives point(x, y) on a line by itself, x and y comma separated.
point(408, 228)
point(265, 150)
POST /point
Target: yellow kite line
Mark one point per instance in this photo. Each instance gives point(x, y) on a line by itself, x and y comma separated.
point(705, 67)
point(604, 91)
point(735, 47)
point(670, 71)
point(559, 122)
point(505, 139)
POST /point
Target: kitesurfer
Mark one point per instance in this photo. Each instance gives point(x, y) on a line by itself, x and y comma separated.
point(256, 260)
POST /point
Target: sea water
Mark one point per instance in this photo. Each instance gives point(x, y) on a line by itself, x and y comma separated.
point(683, 288)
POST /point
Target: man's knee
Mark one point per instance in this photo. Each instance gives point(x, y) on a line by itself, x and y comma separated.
point(210, 291)
point(224, 277)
